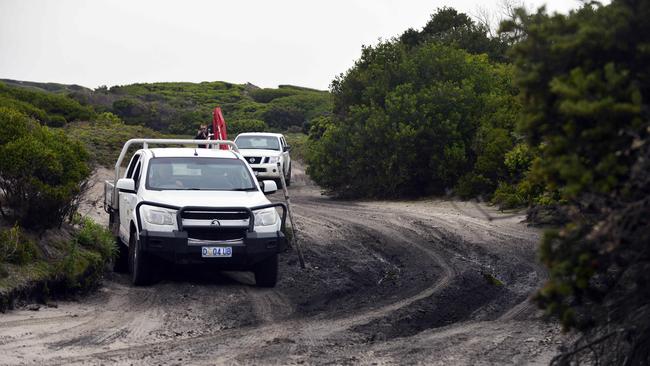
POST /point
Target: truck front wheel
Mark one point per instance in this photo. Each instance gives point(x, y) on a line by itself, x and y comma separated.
point(288, 177)
point(121, 264)
point(139, 262)
point(266, 272)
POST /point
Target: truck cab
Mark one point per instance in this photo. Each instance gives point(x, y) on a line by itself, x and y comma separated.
point(193, 205)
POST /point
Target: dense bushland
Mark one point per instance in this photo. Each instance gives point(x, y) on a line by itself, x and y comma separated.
point(48, 108)
point(43, 173)
point(178, 108)
point(585, 84)
point(169, 108)
point(420, 114)
point(435, 110)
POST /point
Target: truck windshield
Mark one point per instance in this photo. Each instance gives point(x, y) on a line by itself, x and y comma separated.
point(193, 173)
point(258, 142)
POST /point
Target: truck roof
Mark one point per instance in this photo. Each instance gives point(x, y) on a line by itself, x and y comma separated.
point(260, 134)
point(170, 152)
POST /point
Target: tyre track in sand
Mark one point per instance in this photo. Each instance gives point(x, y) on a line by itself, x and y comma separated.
point(308, 331)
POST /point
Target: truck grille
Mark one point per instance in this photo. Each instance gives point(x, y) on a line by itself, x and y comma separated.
point(210, 225)
point(215, 215)
point(208, 233)
point(253, 159)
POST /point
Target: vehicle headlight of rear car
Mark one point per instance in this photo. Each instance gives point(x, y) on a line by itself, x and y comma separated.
point(158, 216)
point(273, 159)
point(266, 217)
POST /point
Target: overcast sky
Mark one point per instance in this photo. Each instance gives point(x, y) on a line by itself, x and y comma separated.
point(307, 43)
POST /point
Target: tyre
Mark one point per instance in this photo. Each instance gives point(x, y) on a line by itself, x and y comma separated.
point(121, 264)
point(266, 272)
point(288, 177)
point(139, 263)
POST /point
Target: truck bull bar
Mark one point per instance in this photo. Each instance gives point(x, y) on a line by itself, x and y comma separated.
point(179, 211)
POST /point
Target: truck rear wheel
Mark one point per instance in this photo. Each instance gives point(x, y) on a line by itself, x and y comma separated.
point(121, 264)
point(139, 263)
point(266, 272)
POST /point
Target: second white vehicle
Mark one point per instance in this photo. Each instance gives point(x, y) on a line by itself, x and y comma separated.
point(262, 151)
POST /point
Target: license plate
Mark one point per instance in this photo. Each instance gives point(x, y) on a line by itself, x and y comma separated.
point(216, 252)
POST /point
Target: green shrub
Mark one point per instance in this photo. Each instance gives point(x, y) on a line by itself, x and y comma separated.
point(311, 105)
point(418, 115)
point(42, 172)
point(86, 256)
point(51, 104)
point(24, 107)
point(473, 185)
point(57, 121)
point(508, 196)
point(283, 116)
point(70, 267)
point(15, 247)
point(266, 95)
point(412, 121)
point(94, 236)
point(298, 142)
point(104, 137)
point(448, 26)
point(14, 124)
point(294, 129)
point(518, 160)
point(245, 125)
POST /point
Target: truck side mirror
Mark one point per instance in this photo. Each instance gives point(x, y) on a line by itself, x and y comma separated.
point(269, 186)
point(287, 148)
point(126, 184)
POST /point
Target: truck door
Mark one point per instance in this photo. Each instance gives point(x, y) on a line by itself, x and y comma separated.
point(286, 159)
point(127, 199)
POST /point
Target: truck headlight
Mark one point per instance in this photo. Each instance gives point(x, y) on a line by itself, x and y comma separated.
point(266, 217)
point(273, 159)
point(158, 216)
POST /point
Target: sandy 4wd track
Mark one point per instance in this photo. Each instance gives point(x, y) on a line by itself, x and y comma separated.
point(430, 282)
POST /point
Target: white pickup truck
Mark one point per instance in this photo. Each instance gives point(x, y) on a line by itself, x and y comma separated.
point(193, 205)
point(263, 151)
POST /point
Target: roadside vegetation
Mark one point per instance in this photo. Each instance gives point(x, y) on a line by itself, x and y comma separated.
point(584, 80)
point(428, 112)
point(178, 108)
point(551, 112)
point(298, 142)
point(163, 109)
point(104, 136)
point(50, 109)
point(43, 244)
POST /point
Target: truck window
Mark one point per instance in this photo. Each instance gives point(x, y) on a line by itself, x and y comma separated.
point(192, 173)
point(136, 175)
point(134, 161)
point(258, 142)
